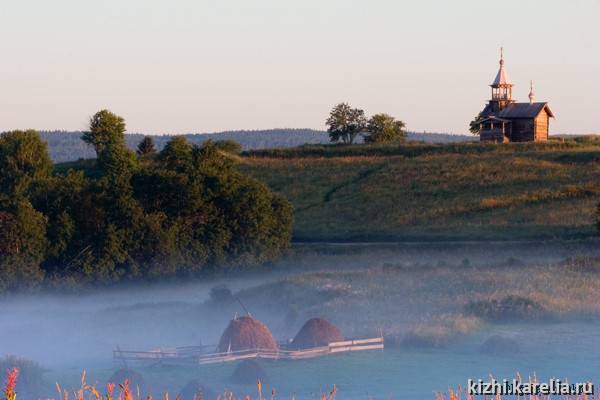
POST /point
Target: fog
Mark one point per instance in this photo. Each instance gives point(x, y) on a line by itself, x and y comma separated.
point(77, 332)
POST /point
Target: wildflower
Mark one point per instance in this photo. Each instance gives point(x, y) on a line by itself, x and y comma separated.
point(94, 392)
point(110, 387)
point(11, 382)
point(259, 390)
point(126, 392)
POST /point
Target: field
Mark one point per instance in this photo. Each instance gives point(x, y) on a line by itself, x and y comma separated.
point(465, 191)
point(437, 248)
point(421, 297)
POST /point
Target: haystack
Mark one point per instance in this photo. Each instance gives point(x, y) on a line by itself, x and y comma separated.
point(316, 332)
point(246, 333)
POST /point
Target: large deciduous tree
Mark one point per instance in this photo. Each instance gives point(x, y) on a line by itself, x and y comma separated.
point(106, 129)
point(23, 158)
point(345, 123)
point(177, 154)
point(23, 244)
point(383, 128)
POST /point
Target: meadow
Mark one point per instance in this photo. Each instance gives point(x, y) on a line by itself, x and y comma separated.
point(426, 300)
point(436, 247)
point(460, 191)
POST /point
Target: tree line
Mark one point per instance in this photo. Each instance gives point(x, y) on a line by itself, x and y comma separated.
point(149, 215)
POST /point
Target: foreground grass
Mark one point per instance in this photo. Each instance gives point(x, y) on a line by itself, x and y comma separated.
point(126, 391)
point(436, 192)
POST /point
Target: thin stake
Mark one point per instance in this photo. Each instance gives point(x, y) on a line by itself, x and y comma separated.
point(242, 304)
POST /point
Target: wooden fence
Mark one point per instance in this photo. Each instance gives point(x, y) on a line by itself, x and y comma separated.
point(198, 354)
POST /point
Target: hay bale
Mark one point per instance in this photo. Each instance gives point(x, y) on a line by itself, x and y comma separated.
point(248, 372)
point(246, 333)
point(316, 332)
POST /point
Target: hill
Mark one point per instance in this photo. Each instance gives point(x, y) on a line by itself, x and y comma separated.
point(68, 146)
point(463, 191)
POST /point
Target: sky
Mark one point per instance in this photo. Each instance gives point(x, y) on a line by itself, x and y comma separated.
point(200, 66)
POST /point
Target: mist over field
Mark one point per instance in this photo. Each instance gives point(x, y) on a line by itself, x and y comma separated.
point(414, 294)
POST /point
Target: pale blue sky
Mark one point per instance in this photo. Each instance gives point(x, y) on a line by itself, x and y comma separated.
point(202, 66)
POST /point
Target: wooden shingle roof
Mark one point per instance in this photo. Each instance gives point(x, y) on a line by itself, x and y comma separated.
point(519, 110)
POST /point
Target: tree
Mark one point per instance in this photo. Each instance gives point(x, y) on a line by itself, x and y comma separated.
point(146, 147)
point(23, 243)
point(23, 158)
point(345, 123)
point(228, 146)
point(117, 163)
point(106, 129)
point(176, 154)
point(474, 125)
point(383, 128)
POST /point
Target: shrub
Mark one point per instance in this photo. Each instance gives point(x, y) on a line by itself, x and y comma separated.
point(221, 294)
point(134, 379)
point(582, 263)
point(513, 307)
point(30, 382)
point(248, 372)
point(228, 146)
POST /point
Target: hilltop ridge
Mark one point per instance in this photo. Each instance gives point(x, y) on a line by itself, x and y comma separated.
point(67, 146)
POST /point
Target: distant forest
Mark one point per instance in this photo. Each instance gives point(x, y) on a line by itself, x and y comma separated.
point(68, 146)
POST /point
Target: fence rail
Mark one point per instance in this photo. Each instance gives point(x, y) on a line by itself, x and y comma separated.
point(200, 355)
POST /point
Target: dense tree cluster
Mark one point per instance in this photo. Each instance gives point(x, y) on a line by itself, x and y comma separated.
point(185, 210)
point(345, 124)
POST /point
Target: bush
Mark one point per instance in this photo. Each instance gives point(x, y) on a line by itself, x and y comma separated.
point(513, 307)
point(248, 372)
point(30, 382)
point(221, 294)
point(582, 263)
point(136, 380)
point(228, 146)
point(194, 390)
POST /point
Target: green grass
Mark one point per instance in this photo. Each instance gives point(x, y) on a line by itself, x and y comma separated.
point(460, 191)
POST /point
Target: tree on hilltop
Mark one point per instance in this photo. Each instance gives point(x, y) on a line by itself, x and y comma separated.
point(383, 128)
point(106, 129)
point(345, 123)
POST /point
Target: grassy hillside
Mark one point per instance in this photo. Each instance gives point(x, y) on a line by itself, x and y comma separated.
point(464, 191)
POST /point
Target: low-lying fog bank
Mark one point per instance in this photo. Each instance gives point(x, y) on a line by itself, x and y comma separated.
point(417, 295)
